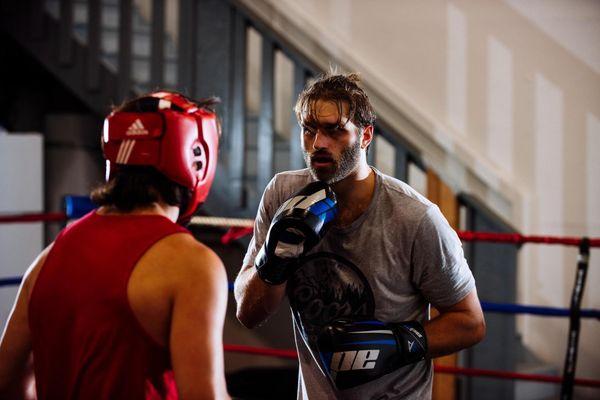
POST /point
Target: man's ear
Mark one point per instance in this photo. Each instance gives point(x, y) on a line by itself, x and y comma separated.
point(367, 136)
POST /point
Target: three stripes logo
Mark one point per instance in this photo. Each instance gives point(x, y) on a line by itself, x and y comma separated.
point(125, 151)
point(137, 128)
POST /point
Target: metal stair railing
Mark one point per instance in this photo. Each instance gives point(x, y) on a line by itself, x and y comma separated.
point(107, 51)
point(266, 141)
point(152, 59)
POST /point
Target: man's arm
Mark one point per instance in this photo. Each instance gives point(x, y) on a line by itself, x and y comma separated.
point(196, 333)
point(297, 226)
point(457, 327)
point(256, 300)
point(441, 273)
point(16, 372)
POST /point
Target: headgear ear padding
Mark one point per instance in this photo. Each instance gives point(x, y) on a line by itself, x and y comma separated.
point(208, 157)
point(178, 139)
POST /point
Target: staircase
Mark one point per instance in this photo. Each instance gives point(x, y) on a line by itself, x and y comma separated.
point(141, 36)
point(108, 50)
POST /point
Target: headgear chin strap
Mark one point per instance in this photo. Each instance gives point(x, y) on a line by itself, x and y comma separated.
point(171, 134)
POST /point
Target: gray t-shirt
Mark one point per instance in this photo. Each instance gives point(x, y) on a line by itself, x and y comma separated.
point(399, 256)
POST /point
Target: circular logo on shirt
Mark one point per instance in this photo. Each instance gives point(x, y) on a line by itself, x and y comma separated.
point(326, 287)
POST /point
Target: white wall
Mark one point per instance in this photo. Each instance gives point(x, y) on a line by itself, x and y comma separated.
point(21, 191)
point(510, 90)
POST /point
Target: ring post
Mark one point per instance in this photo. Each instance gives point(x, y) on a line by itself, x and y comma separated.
point(566, 392)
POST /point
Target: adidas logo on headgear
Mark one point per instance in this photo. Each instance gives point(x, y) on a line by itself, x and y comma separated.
point(137, 128)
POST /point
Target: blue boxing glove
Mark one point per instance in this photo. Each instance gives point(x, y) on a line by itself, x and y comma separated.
point(298, 225)
point(354, 352)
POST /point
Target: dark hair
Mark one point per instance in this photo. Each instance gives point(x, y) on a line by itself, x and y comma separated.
point(339, 88)
point(135, 186)
point(148, 103)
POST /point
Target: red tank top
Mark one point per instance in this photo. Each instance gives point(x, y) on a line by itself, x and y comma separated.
point(87, 342)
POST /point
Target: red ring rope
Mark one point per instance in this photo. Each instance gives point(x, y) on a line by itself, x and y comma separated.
point(444, 369)
point(262, 351)
point(520, 239)
point(467, 236)
point(236, 233)
point(441, 369)
point(33, 217)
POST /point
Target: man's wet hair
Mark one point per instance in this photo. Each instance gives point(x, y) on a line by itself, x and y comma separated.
point(340, 89)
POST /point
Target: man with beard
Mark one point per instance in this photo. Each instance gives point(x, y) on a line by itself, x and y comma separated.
point(361, 256)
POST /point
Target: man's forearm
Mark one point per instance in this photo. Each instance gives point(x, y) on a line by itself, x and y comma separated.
point(256, 300)
point(452, 331)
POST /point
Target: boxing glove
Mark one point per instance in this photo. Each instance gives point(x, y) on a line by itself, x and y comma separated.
point(298, 225)
point(354, 352)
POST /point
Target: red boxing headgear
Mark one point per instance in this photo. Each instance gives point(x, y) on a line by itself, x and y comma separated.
point(174, 136)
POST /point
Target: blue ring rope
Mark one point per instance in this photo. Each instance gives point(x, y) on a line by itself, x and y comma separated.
point(501, 308)
point(535, 310)
point(11, 281)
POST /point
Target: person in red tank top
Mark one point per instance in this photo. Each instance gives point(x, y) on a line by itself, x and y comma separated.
point(125, 303)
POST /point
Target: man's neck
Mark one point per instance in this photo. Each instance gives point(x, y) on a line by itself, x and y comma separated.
point(354, 194)
point(159, 208)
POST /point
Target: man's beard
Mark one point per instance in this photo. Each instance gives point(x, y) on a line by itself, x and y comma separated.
point(339, 169)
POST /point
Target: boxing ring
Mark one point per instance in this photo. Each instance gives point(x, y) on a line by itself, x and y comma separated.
point(76, 207)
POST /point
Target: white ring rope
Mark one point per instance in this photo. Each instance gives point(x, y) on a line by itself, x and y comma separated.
point(222, 222)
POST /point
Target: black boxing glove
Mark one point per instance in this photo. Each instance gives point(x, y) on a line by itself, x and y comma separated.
point(298, 225)
point(353, 352)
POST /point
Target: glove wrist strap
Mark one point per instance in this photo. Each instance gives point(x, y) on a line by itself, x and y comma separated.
point(411, 337)
point(274, 270)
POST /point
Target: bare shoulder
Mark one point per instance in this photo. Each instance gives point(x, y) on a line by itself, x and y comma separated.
point(30, 276)
point(189, 258)
point(185, 248)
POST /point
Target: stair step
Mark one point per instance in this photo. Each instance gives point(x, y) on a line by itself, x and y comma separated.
point(141, 44)
point(110, 12)
point(141, 28)
point(140, 68)
point(141, 40)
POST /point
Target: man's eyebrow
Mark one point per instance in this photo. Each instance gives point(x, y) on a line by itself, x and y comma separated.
point(309, 121)
point(310, 124)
